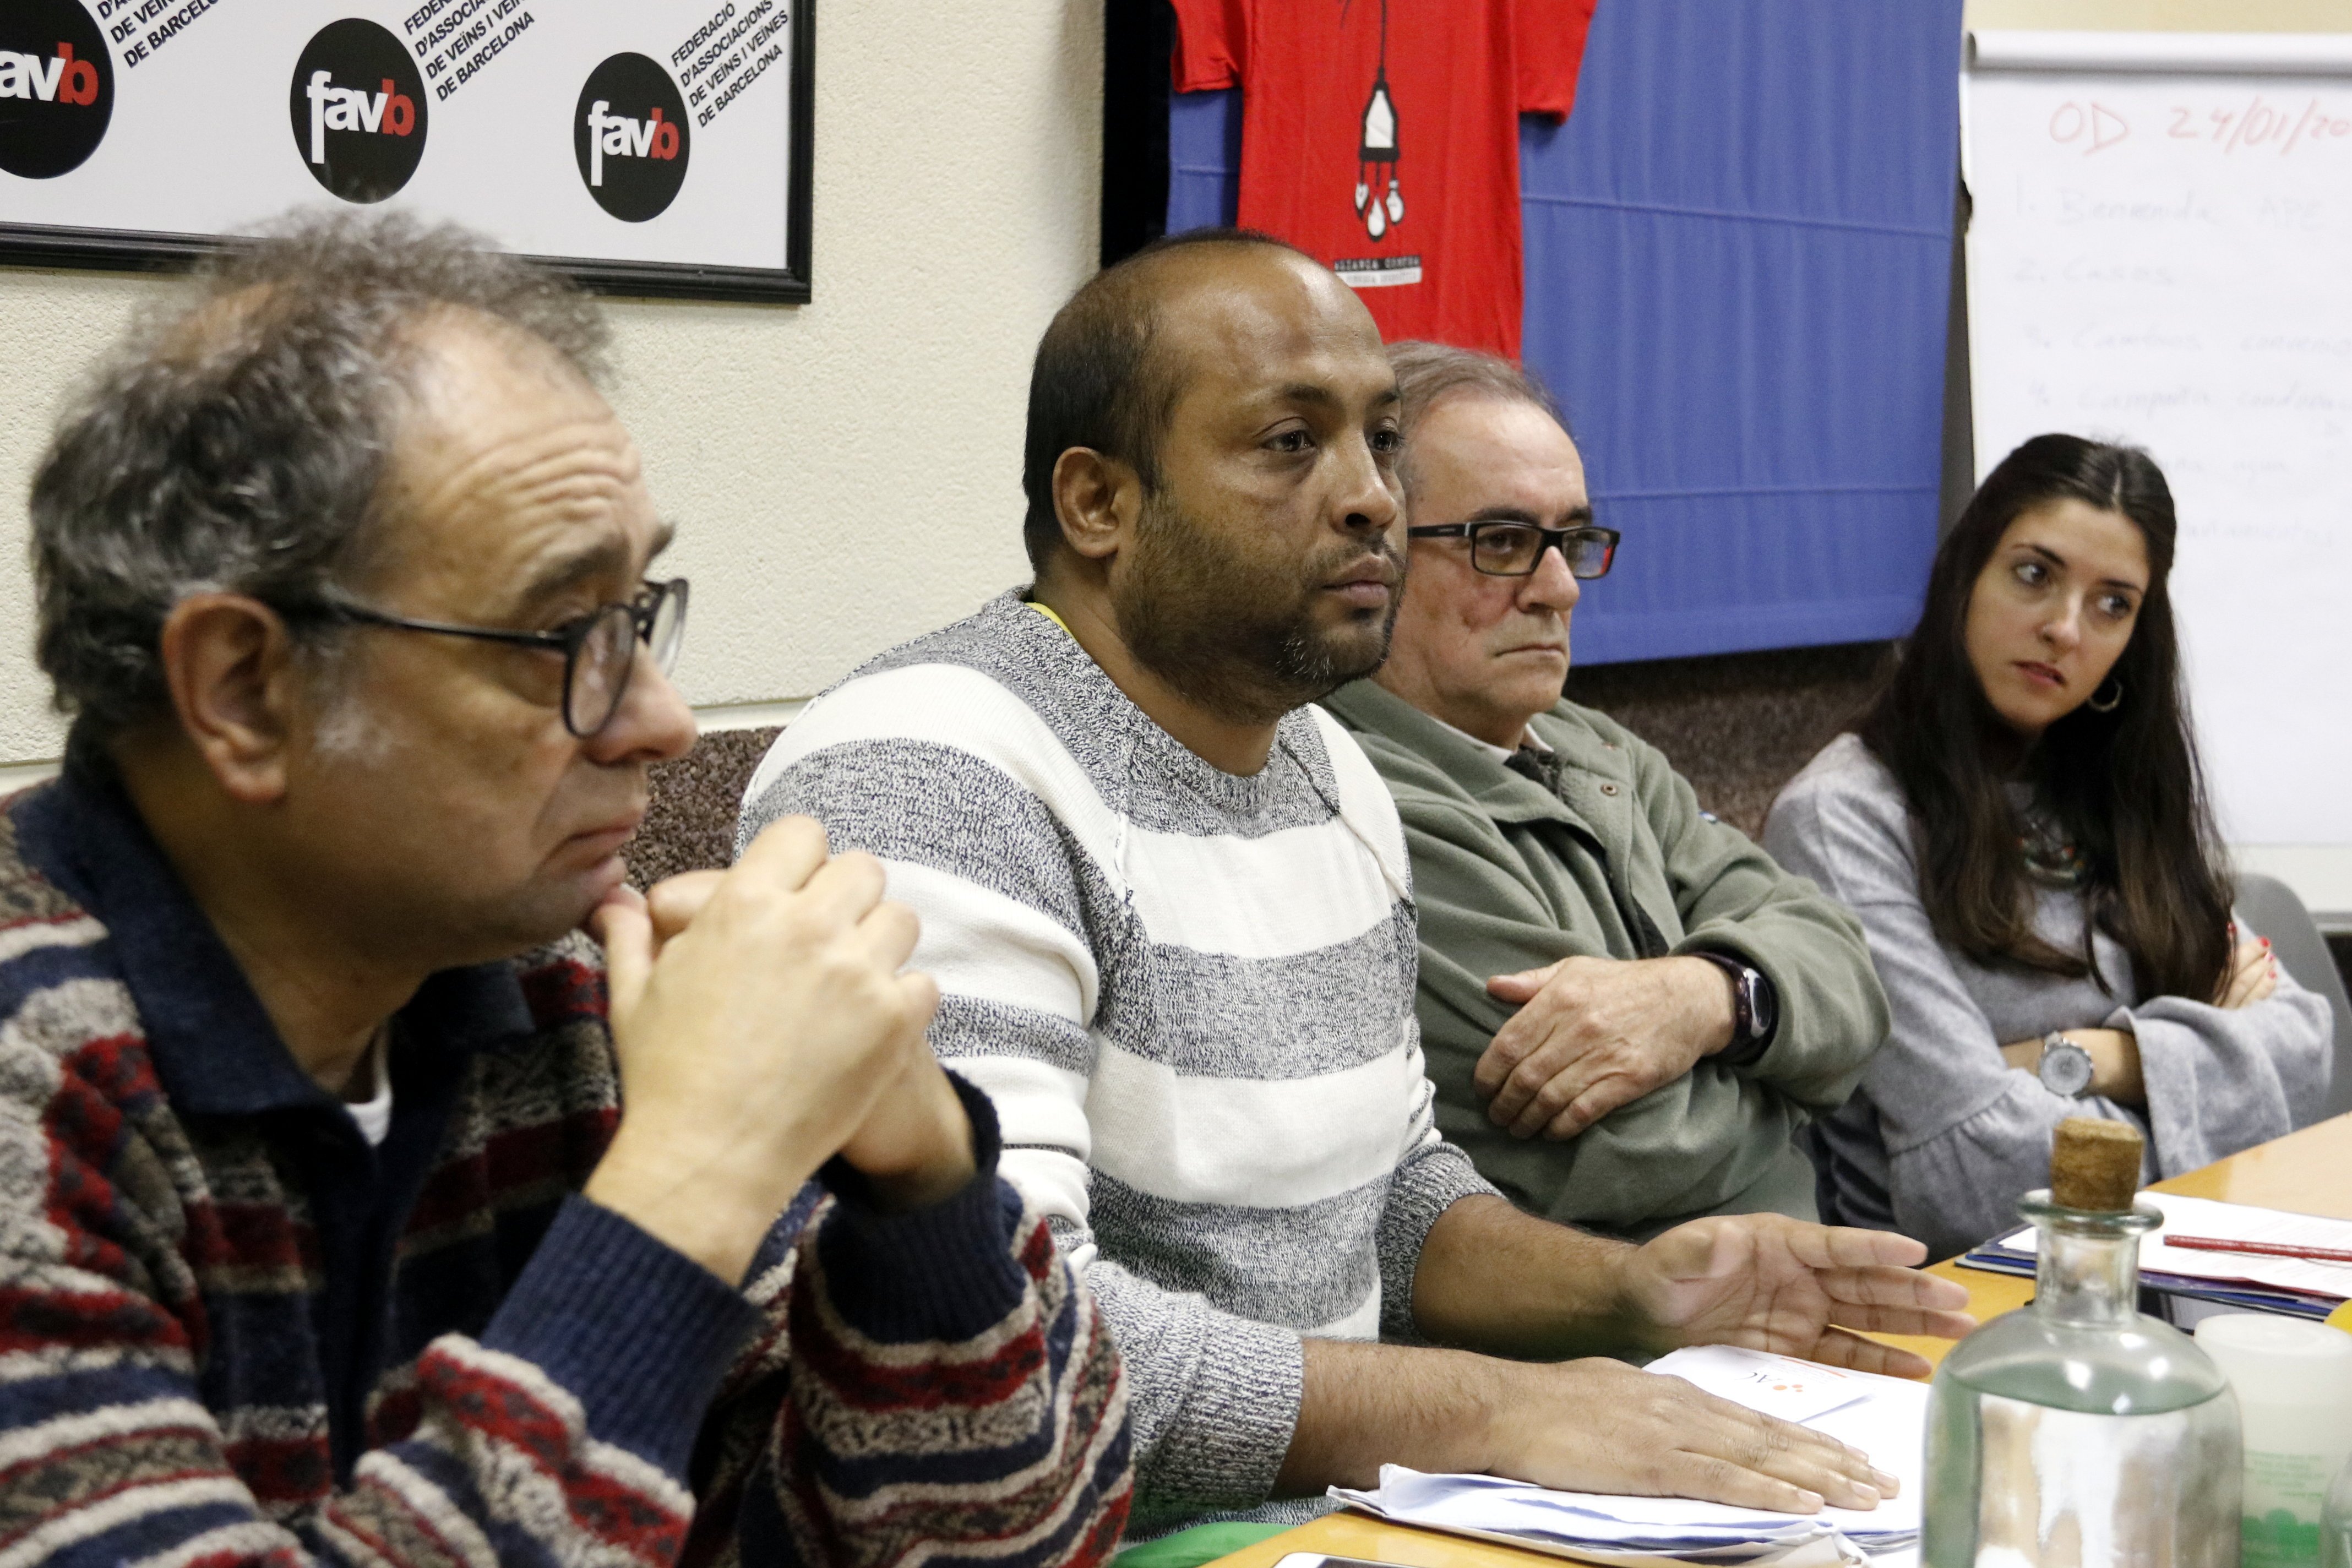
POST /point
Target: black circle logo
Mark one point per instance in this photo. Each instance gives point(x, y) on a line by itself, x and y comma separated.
point(57, 87)
point(629, 134)
point(358, 110)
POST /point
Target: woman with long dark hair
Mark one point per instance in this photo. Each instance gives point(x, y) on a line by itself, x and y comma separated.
point(2020, 824)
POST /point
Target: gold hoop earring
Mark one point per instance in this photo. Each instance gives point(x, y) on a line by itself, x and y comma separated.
point(2112, 704)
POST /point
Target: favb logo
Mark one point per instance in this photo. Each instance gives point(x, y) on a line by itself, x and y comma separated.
point(630, 135)
point(57, 87)
point(389, 113)
point(60, 79)
point(357, 108)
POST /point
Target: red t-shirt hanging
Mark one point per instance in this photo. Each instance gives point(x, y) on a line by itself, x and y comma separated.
point(1383, 138)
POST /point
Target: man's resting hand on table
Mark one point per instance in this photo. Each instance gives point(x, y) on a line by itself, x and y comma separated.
point(1497, 1283)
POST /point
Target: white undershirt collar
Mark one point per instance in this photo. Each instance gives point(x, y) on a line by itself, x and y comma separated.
point(1528, 740)
point(374, 1114)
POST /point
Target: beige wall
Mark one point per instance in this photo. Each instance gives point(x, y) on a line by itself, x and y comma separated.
point(844, 474)
point(2166, 15)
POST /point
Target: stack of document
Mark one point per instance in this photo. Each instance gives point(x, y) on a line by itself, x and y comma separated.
point(1884, 1416)
point(2299, 1286)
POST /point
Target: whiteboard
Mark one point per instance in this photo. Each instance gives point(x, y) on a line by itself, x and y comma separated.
point(660, 146)
point(2161, 252)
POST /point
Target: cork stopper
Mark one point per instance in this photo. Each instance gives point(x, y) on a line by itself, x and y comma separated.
point(2094, 1164)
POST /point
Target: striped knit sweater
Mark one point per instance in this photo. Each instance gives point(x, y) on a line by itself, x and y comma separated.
point(232, 1333)
point(1190, 996)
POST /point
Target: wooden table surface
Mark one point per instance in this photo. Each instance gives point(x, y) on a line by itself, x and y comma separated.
point(2308, 1171)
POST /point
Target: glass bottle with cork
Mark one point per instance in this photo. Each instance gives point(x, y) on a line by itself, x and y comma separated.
point(2079, 1432)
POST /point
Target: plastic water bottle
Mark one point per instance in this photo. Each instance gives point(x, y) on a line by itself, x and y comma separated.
point(2336, 1522)
point(2294, 1382)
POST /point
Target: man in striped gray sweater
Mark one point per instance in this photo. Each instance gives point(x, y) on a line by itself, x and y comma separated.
point(1168, 905)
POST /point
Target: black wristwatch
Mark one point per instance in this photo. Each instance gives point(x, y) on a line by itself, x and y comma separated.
point(1755, 1007)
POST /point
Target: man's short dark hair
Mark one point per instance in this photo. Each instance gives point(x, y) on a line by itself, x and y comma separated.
point(237, 439)
point(1097, 383)
point(1429, 373)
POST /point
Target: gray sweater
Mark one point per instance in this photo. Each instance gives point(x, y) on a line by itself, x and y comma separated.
point(1943, 1135)
point(1189, 995)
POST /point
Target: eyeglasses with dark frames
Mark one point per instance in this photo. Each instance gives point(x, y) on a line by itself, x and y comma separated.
point(599, 648)
point(1504, 547)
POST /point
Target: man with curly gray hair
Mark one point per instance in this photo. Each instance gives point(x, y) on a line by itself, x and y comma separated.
point(357, 1206)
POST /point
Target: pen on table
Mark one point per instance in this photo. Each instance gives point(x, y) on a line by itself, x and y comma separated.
point(2259, 1248)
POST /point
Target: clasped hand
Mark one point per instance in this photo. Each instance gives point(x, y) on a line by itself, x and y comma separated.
point(1593, 1034)
point(2115, 1074)
point(762, 1026)
point(2253, 972)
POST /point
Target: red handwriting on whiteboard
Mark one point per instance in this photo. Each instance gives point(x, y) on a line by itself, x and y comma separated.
point(2257, 125)
point(2093, 126)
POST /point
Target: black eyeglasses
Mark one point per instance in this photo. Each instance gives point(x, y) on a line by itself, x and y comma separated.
point(1504, 548)
point(599, 648)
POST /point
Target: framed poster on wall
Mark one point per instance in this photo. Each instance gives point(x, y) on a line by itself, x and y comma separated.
point(654, 147)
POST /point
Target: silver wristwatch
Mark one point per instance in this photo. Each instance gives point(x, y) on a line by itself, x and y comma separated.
point(2066, 1066)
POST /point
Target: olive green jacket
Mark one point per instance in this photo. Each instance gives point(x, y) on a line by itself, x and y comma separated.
point(1620, 862)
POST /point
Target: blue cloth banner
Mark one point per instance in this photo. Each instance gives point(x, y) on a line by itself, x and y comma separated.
point(1204, 159)
point(1738, 267)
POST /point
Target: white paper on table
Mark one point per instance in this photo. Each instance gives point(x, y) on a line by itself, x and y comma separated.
point(1493, 1502)
point(2235, 1222)
point(1777, 1386)
point(1485, 1510)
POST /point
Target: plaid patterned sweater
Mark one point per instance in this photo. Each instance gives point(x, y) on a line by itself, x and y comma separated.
point(231, 1331)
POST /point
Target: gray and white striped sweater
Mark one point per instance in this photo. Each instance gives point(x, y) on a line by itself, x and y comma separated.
point(1189, 995)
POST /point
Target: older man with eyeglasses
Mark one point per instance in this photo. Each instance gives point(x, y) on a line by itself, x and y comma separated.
point(1629, 1010)
point(357, 1208)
